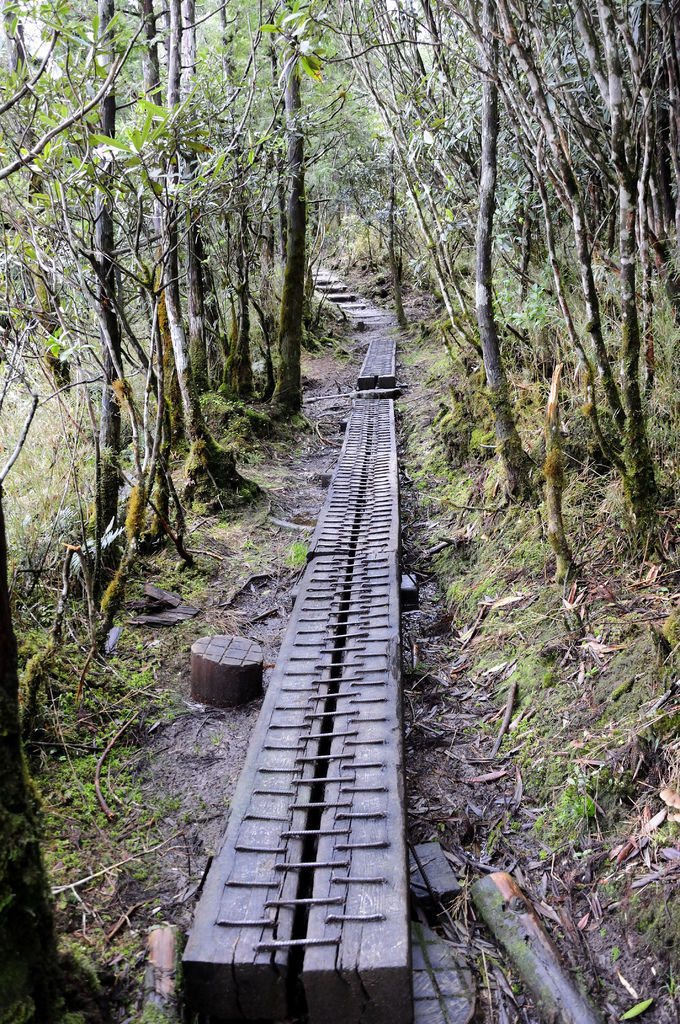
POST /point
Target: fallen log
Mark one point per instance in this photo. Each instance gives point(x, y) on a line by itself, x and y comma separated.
point(509, 916)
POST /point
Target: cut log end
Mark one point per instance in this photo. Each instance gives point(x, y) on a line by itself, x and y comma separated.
point(226, 671)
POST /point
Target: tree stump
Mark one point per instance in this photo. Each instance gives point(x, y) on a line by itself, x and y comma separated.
point(225, 671)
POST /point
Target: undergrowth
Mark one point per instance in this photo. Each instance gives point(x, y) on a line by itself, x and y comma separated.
point(592, 747)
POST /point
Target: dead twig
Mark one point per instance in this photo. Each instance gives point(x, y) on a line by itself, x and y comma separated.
point(122, 920)
point(97, 773)
point(88, 661)
point(57, 889)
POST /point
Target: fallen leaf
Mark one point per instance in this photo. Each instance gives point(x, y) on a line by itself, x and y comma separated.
point(635, 1011)
point(597, 648)
point(546, 911)
point(627, 849)
point(583, 922)
point(505, 602)
point(627, 985)
point(489, 777)
point(657, 820)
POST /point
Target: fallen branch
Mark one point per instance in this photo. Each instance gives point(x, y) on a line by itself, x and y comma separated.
point(510, 917)
point(506, 718)
point(448, 543)
point(289, 526)
point(97, 773)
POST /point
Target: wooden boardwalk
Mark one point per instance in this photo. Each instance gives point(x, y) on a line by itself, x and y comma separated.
point(305, 909)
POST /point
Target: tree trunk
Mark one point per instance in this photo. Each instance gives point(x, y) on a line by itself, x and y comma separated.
point(29, 960)
point(151, 70)
point(288, 392)
point(109, 326)
point(639, 479)
point(209, 468)
point(553, 471)
point(515, 460)
point(395, 269)
point(574, 201)
point(280, 175)
point(195, 247)
point(239, 365)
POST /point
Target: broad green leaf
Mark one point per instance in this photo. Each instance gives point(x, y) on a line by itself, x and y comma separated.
point(269, 28)
point(153, 108)
point(636, 1010)
point(312, 65)
point(106, 140)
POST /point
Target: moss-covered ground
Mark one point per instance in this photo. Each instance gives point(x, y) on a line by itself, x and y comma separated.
point(594, 733)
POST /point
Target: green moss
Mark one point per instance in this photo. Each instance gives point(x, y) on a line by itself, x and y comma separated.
point(211, 474)
point(136, 509)
point(157, 1015)
point(655, 914)
point(482, 442)
point(671, 628)
point(667, 727)
point(550, 679)
point(113, 595)
point(20, 1012)
point(33, 680)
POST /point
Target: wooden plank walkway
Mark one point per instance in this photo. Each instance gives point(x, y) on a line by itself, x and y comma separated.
point(305, 909)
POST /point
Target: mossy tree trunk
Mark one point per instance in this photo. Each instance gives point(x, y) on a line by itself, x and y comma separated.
point(639, 479)
point(28, 967)
point(515, 460)
point(288, 393)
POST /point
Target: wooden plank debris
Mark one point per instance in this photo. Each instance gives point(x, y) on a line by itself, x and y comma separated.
point(443, 989)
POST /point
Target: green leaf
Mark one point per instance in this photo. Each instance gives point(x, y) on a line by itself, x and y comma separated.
point(312, 66)
point(153, 108)
point(636, 1010)
point(269, 28)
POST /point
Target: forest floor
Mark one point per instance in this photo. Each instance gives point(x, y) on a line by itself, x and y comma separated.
point(569, 804)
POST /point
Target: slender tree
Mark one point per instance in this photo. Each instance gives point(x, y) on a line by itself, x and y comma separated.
point(515, 460)
point(288, 393)
point(109, 326)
